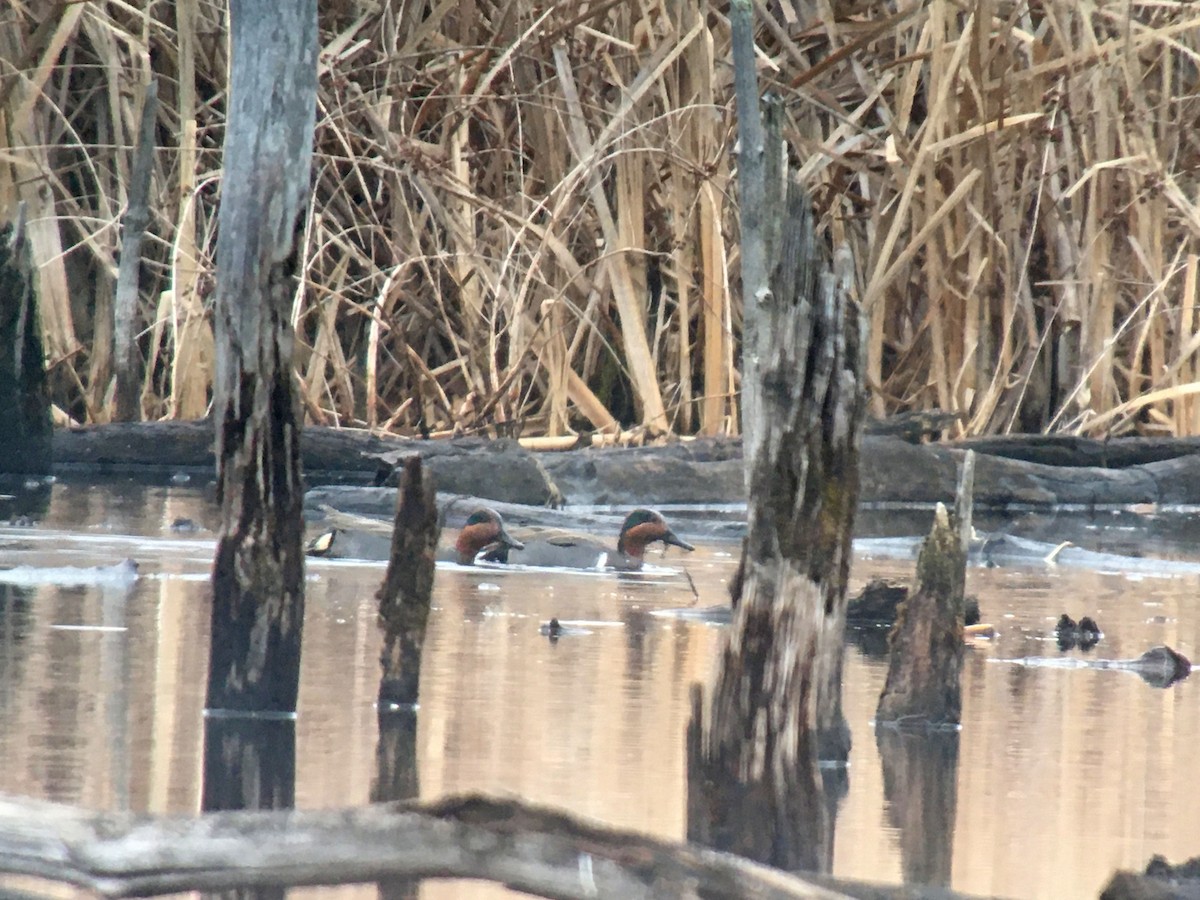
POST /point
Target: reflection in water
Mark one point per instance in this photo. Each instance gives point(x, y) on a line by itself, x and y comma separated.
point(16, 621)
point(1064, 775)
point(396, 778)
point(920, 778)
point(249, 763)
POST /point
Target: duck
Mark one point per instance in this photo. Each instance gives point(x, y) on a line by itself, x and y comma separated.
point(560, 549)
point(483, 531)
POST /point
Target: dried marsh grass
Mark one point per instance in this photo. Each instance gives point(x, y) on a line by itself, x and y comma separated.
point(524, 220)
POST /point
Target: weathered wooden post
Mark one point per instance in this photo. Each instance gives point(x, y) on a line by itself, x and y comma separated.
point(803, 402)
point(258, 573)
point(407, 588)
point(24, 406)
point(127, 360)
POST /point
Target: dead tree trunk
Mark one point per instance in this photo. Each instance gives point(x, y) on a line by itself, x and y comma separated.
point(779, 678)
point(408, 586)
point(24, 405)
point(137, 218)
point(258, 574)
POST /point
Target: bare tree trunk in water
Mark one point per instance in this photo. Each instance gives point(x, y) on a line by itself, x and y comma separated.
point(258, 574)
point(777, 695)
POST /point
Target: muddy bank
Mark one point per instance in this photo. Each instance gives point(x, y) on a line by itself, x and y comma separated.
point(1032, 472)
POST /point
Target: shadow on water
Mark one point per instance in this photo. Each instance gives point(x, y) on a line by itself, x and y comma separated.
point(920, 788)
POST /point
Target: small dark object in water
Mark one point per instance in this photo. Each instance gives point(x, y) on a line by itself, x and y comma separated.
point(552, 629)
point(183, 524)
point(1084, 634)
point(1162, 666)
point(876, 604)
point(1089, 633)
point(1160, 880)
point(1158, 867)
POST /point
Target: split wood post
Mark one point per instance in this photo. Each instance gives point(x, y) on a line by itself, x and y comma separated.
point(803, 401)
point(923, 682)
point(258, 573)
point(137, 218)
point(26, 436)
point(407, 588)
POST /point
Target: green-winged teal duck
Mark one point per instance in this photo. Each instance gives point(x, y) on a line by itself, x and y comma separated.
point(484, 530)
point(558, 549)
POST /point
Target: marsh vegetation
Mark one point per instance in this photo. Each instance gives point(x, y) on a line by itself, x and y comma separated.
point(524, 215)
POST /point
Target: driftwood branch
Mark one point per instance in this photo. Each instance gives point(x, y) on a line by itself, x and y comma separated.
point(529, 849)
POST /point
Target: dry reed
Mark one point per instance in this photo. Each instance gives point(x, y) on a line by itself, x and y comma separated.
point(523, 218)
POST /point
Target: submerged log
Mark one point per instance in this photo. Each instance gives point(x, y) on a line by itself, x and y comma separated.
point(258, 572)
point(408, 586)
point(25, 438)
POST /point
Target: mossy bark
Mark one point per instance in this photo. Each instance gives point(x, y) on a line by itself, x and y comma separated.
point(776, 702)
point(923, 681)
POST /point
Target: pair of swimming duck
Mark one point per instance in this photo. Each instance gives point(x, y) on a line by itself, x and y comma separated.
point(484, 537)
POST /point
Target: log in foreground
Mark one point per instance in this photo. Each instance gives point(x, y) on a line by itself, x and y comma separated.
point(545, 853)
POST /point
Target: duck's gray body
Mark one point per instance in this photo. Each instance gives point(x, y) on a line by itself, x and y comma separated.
point(566, 550)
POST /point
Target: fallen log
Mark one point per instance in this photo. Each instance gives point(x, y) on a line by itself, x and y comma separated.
point(702, 471)
point(539, 851)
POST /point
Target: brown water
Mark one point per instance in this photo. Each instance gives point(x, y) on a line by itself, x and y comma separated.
point(1062, 774)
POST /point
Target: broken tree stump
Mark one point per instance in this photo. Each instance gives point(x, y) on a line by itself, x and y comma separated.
point(407, 587)
point(926, 642)
point(777, 696)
